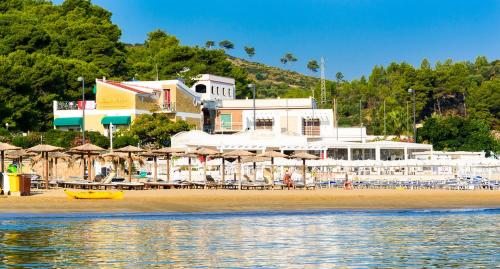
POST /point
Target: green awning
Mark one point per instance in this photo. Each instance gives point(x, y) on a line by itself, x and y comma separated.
point(120, 120)
point(76, 121)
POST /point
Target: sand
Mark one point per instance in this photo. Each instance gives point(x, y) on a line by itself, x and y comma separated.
point(55, 201)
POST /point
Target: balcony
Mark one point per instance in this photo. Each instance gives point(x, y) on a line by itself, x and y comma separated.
point(168, 107)
point(228, 127)
point(74, 105)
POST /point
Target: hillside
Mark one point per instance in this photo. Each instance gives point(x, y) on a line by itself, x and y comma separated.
point(268, 77)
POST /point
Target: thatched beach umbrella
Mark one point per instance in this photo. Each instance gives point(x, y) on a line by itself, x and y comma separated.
point(205, 152)
point(237, 154)
point(167, 152)
point(44, 150)
point(255, 160)
point(19, 155)
point(189, 155)
point(272, 154)
point(304, 156)
point(4, 147)
point(88, 149)
point(153, 155)
point(129, 150)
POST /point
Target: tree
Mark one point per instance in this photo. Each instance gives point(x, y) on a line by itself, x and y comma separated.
point(340, 77)
point(459, 133)
point(250, 51)
point(226, 44)
point(313, 66)
point(154, 130)
point(209, 44)
point(288, 58)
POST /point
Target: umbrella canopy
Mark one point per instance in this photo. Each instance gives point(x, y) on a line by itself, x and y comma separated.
point(154, 155)
point(255, 159)
point(5, 146)
point(273, 154)
point(87, 147)
point(167, 152)
point(45, 149)
point(206, 151)
point(129, 150)
point(19, 155)
point(237, 153)
point(304, 156)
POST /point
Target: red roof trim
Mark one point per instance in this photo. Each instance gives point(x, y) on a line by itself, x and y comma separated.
point(120, 85)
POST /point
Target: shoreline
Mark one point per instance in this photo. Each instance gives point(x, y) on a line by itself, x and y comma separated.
point(220, 201)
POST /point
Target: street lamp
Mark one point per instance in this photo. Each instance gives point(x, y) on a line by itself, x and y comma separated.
point(7, 126)
point(412, 91)
point(83, 108)
point(254, 122)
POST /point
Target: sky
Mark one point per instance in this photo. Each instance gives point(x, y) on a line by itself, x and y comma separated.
point(351, 35)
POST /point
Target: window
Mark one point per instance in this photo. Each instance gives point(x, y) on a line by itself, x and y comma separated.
point(223, 91)
point(200, 88)
point(218, 91)
point(311, 127)
point(212, 89)
point(363, 154)
point(226, 121)
point(264, 124)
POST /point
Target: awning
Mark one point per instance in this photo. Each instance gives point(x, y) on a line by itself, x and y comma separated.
point(120, 120)
point(76, 121)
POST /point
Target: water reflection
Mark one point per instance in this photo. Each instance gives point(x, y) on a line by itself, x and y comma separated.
point(321, 239)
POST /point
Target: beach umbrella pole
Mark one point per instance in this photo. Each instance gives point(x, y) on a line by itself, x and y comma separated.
point(189, 168)
point(304, 172)
point(168, 167)
point(130, 167)
point(223, 175)
point(46, 170)
point(254, 172)
point(272, 171)
point(205, 170)
point(239, 170)
point(3, 161)
point(155, 172)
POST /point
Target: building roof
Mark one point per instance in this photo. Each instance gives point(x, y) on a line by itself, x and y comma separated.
point(123, 86)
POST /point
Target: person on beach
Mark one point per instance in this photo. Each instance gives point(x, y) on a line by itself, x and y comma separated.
point(347, 183)
point(287, 179)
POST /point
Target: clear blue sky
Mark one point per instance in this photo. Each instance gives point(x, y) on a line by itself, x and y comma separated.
point(352, 35)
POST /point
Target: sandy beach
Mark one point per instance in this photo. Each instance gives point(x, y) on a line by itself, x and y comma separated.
point(55, 201)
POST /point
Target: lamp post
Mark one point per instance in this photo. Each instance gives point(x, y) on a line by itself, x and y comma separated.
point(253, 89)
point(7, 126)
point(412, 91)
point(83, 108)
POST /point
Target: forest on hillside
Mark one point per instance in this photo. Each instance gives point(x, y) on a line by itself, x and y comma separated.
point(45, 47)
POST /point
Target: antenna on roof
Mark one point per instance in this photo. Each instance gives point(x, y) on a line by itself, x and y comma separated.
point(323, 84)
point(156, 66)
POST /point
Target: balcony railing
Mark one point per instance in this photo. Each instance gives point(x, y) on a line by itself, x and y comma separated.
point(170, 107)
point(75, 105)
point(221, 127)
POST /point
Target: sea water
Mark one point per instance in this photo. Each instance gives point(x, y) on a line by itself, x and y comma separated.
point(318, 239)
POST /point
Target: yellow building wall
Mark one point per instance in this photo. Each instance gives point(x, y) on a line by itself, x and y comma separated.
point(183, 101)
point(110, 98)
point(147, 103)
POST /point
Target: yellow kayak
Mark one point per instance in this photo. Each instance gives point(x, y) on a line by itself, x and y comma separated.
point(94, 194)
